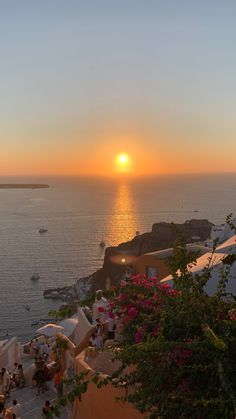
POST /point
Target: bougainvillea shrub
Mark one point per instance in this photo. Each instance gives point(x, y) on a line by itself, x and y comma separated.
point(179, 345)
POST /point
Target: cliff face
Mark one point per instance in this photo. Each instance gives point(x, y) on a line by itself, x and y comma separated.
point(162, 236)
point(193, 230)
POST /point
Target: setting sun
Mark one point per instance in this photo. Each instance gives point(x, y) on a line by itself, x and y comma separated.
point(123, 159)
point(123, 163)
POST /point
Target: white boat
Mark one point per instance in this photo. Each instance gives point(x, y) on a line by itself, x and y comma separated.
point(35, 277)
point(55, 295)
point(42, 230)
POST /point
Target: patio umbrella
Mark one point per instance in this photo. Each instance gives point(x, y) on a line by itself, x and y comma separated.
point(50, 329)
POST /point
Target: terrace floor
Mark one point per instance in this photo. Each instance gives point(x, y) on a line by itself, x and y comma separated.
point(32, 405)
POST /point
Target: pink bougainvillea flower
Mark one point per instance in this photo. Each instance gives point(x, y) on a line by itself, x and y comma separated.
point(101, 309)
point(164, 285)
point(173, 292)
point(125, 320)
point(232, 314)
point(138, 278)
point(155, 331)
point(147, 304)
point(123, 283)
point(132, 312)
point(122, 297)
point(138, 336)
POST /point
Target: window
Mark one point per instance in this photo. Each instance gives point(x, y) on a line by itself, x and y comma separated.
point(150, 271)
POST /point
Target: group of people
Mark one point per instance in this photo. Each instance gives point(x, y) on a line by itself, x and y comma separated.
point(14, 411)
point(11, 412)
point(103, 331)
point(41, 375)
point(42, 353)
point(10, 380)
point(42, 349)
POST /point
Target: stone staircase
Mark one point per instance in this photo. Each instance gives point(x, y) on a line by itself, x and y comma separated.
point(32, 405)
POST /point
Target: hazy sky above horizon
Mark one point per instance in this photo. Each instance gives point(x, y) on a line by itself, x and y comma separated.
point(81, 81)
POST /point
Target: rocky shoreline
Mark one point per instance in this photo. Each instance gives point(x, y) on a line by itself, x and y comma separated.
point(162, 236)
point(70, 294)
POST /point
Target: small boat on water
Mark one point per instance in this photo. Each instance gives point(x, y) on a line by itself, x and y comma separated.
point(102, 244)
point(42, 230)
point(35, 322)
point(35, 277)
point(27, 308)
point(55, 295)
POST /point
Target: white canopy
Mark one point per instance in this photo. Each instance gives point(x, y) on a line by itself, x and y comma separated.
point(3, 342)
point(50, 329)
point(69, 325)
point(218, 267)
point(229, 246)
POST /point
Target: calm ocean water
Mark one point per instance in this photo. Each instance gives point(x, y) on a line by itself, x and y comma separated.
point(78, 213)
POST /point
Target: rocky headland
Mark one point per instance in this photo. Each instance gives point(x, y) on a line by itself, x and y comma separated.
point(163, 235)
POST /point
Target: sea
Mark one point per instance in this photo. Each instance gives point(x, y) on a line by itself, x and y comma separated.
point(78, 213)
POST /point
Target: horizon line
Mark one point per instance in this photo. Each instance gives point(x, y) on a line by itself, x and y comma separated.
point(116, 176)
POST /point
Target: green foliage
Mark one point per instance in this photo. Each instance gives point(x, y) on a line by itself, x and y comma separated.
point(60, 343)
point(76, 386)
point(216, 342)
point(229, 221)
point(179, 345)
point(186, 370)
point(61, 314)
point(229, 259)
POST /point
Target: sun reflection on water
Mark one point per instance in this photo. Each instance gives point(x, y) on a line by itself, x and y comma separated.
point(123, 223)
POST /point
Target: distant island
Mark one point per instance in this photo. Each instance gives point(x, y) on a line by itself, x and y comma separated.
point(22, 186)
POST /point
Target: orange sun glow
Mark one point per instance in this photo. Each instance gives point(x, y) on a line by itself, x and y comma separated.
point(123, 162)
point(123, 159)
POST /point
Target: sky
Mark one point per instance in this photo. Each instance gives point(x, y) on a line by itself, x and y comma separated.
point(82, 81)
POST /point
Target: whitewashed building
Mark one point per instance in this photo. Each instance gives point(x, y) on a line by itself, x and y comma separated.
point(218, 266)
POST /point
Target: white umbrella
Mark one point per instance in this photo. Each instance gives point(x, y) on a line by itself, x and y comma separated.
point(69, 325)
point(50, 329)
